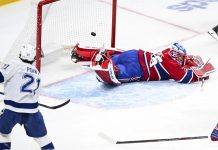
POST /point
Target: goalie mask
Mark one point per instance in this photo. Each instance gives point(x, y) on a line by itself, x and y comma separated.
point(28, 53)
point(178, 53)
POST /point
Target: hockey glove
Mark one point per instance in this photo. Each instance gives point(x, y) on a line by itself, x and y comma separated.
point(193, 61)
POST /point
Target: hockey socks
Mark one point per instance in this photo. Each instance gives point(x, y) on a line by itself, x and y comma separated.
point(5, 145)
point(49, 146)
point(5, 142)
point(45, 143)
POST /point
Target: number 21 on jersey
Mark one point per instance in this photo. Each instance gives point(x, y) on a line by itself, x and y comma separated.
point(31, 84)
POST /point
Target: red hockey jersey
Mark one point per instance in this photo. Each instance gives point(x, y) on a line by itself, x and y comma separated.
point(168, 68)
point(120, 66)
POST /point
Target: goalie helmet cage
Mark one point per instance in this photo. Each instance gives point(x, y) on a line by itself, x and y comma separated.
point(55, 24)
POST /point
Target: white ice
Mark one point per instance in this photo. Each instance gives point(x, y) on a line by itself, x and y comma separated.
point(141, 24)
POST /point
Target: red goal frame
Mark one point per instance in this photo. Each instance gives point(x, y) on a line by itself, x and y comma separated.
point(39, 28)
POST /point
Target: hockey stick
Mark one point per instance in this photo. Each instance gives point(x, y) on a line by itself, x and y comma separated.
point(47, 106)
point(56, 106)
point(109, 139)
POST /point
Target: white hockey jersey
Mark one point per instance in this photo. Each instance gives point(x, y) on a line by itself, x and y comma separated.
point(21, 86)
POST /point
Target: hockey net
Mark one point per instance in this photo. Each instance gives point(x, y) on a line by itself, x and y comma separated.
point(65, 23)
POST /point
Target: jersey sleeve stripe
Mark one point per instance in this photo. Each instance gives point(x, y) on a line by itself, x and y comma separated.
point(21, 105)
point(187, 77)
point(163, 74)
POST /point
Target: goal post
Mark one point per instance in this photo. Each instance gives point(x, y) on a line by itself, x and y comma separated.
point(39, 30)
point(40, 24)
point(55, 24)
point(114, 18)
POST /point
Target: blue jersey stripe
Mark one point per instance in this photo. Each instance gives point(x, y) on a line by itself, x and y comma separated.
point(21, 105)
point(187, 77)
point(163, 74)
point(2, 79)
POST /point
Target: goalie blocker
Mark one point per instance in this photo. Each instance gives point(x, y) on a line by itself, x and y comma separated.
point(115, 66)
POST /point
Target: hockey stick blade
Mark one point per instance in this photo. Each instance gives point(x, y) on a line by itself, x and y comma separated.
point(112, 141)
point(56, 106)
point(106, 137)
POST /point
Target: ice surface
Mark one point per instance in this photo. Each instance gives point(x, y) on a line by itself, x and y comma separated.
point(132, 111)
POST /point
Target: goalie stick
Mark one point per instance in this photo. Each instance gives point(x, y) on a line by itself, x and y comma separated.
point(109, 139)
point(47, 106)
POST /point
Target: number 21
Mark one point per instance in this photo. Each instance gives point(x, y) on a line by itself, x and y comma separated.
point(27, 87)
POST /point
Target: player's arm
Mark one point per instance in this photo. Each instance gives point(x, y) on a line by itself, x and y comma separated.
point(179, 73)
point(180, 66)
point(6, 71)
point(186, 74)
point(193, 61)
point(200, 69)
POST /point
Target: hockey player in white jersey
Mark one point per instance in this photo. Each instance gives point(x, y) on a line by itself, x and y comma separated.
point(21, 86)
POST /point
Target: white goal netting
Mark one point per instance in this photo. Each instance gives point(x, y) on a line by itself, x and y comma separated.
point(67, 22)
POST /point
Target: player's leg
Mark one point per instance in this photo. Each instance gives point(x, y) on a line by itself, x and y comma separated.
point(35, 127)
point(8, 119)
point(128, 66)
point(123, 67)
point(5, 141)
point(45, 143)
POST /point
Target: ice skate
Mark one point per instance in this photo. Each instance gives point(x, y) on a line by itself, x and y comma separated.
point(74, 56)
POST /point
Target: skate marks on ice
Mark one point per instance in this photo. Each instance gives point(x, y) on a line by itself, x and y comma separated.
point(86, 90)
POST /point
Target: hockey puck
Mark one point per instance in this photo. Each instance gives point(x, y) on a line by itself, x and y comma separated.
point(93, 33)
